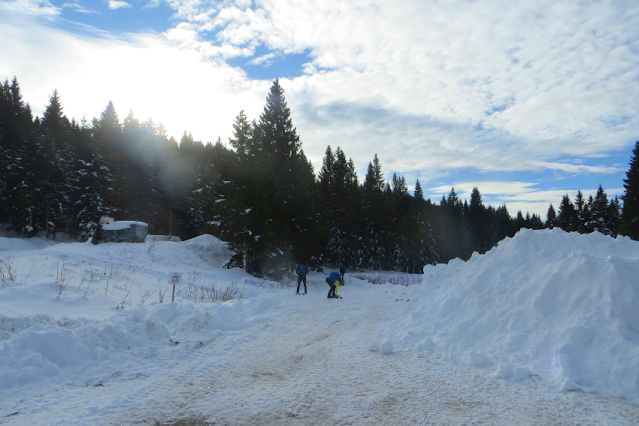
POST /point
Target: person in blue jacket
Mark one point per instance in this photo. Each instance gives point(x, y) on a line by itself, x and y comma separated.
point(301, 272)
point(334, 280)
point(342, 271)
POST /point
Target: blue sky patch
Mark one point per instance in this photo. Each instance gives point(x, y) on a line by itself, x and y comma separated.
point(96, 13)
point(280, 65)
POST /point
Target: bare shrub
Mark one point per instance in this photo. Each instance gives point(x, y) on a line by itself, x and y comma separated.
point(210, 293)
point(378, 279)
point(7, 272)
point(62, 275)
point(406, 280)
point(89, 276)
point(151, 245)
point(161, 293)
point(144, 296)
point(110, 273)
point(259, 282)
point(26, 277)
point(123, 303)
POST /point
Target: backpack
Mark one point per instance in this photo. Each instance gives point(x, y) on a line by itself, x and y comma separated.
point(334, 276)
point(301, 269)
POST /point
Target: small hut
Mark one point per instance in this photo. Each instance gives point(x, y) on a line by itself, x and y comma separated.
point(120, 231)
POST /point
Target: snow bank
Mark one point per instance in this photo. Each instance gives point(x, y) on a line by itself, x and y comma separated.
point(547, 306)
point(11, 244)
point(40, 346)
point(210, 249)
point(122, 224)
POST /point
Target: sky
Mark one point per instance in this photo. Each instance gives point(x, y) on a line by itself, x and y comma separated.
point(526, 100)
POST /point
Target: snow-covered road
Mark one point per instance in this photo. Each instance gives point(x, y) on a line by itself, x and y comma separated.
point(311, 366)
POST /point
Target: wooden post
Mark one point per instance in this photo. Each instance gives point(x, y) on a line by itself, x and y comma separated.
point(174, 278)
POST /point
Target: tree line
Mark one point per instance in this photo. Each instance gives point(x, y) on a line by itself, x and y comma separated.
point(259, 193)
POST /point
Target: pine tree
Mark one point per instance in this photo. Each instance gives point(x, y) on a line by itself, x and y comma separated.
point(374, 181)
point(107, 133)
point(418, 194)
point(426, 250)
point(551, 217)
point(479, 223)
point(283, 216)
point(242, 140)
point(92, 179)
point(54, 175)
point(376, 243)
point(602, 217)
point(236, 202)
point(502, 225)
point(452, 237)
point(629, 224)
point(614, 217)
point(183, 175)
point(567, 218)
point(16, 133)
point(581, 216)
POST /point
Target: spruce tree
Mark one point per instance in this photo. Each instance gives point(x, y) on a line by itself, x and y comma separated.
point(284, 212)
point(92, 179)
point(54, 174)
point(242, 140)
point(582, 212)
point(452, 237)
point(479, 225)
point(629, 224)
point(107, 133)
point(551, 217)
point(567, 218)
point(16, 135)
point(375, 219)
point(418, 193)
point(236, 206)
point(602, 217)
point(338, 190)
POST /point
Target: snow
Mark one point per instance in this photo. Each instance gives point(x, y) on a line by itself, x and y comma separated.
point(119, 225)
point(505, 338)
point(560, 307)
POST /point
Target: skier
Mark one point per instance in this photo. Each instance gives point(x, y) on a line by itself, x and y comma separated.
point(301, 272)
point(333, 280)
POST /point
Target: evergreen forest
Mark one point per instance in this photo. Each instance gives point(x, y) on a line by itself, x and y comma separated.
point(259, 193)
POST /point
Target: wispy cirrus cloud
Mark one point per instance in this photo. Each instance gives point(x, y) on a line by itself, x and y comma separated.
point(118, 4)
point(41, 8)
point(535, 80)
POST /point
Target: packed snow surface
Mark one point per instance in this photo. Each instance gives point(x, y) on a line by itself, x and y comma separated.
point(89, 336)
point(119, 225)
point(545, 305)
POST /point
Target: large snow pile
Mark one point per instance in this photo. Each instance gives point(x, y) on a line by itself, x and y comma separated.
point(555, 308)
point(210, 249)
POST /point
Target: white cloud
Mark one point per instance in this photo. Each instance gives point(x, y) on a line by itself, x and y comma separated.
point(429, 85)
point(117, 4)
point(541, 79)
point(77, 7)
point(152, 77)
point(42, 8)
